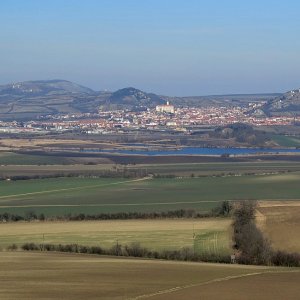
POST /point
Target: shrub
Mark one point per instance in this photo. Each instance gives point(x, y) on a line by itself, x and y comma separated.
point(30, 247)
point(281, 258)
point(12, 247)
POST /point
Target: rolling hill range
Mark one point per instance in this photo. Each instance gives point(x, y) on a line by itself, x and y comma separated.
point(32, 99)
point(28, 100)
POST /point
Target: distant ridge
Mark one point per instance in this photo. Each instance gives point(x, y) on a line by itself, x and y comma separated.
point(33, 99)
point(287, 104)
point(43, 87)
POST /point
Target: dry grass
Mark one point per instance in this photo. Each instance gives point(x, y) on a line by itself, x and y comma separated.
point(153, 234)
point(280, 221)
point(71, 276)
point(278, 178)
point(23, 142)
point(31, 142)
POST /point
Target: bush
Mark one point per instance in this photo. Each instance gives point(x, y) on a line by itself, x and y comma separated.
point(12, 247)
point(136, 250)
point(30, 247)
point(223, 210)
point(281, 258)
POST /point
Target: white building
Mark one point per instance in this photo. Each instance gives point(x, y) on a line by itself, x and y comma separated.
point(166, 108)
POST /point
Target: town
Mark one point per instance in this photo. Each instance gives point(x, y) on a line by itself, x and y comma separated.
point(161, 118)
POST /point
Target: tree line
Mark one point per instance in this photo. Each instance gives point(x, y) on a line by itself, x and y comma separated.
point(123, 173)
point(132, 250)
point(223, 210)
point(252, 247)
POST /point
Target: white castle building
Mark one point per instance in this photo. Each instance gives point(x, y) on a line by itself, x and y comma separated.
point(166, 108)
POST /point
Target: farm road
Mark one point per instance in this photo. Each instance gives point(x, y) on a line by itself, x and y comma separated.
point(74, 188)
point(222, 279)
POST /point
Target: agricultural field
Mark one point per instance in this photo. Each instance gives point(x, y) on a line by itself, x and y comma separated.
point(286, 141)
point(59, 196)
point(12, 164)
point(7, 171)
point(74, 276)
point(212, 236)
point(8, 159)
point(11, 158)
point(221, 168)
point(281, 224)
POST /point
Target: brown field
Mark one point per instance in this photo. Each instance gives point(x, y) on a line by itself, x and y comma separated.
point(260, 286)
point(23, 142)
point(40, 143)
point(280, 222)
point(74, 276)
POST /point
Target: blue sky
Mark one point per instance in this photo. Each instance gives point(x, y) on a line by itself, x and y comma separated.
point(171, 47)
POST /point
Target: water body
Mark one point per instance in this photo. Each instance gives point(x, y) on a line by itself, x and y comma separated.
point(201, 151)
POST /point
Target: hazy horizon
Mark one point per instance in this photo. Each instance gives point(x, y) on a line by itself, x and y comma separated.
point(148, 91)
point(165, 47)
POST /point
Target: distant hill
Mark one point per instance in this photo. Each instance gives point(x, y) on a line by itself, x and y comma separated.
point(131, 97)
point(243, 134)
point(43, 88)
point(221, 100)
point(30, 99)
point(286, 104)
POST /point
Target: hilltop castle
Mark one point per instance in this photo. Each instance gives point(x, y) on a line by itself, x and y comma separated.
point(166, 108)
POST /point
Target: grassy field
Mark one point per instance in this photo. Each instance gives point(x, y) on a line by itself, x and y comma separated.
point(93, 195)
point(211, 235)
point(10, 158)
point(44, 170)
point(33, 160)
point(67, 276)
point(281, 223)
point(286, 141)
point(13, 164)
point(208, 169)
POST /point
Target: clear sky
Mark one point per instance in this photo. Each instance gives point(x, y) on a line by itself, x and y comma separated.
point(172, 47)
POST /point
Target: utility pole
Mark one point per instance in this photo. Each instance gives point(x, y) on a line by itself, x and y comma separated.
point(194, 238)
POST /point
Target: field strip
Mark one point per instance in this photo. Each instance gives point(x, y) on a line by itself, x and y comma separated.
point(117, 204)
point(274, 204)
point(108, 204)
point(74, 188)
point(178, 288)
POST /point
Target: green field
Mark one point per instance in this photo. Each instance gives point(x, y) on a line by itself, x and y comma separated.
point(29, 159)
point(219, 168)
point(286, 141)
point(209, 235)
point(94, 195)
point(11, 158)
point(67, 276)
point(30, 165)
